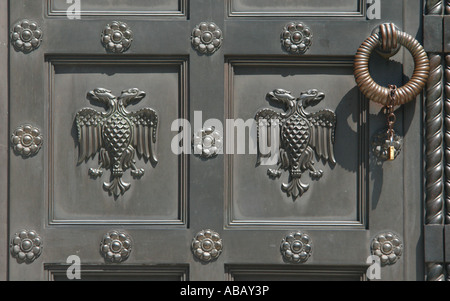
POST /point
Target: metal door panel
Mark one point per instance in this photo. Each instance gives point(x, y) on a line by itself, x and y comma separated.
point(280, 273)
point(129, 273)
point(72, 190)
point(295, 8)
point(136, 7)
point(342, 213)
point(254, 199)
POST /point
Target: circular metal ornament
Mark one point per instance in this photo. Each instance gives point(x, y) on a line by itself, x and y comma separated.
point(296, 247)
point(26, 246)
point(207, 245)
point(388, 247)
point(207, 143)
point(387, 39)
point(116, 246)
point(207, 38)
point(296, 38)
point(26, 140)
point(26, 36)
point(117, 37)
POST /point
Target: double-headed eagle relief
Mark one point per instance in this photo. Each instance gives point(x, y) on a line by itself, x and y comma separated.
point(117, 134)
point(301, 135)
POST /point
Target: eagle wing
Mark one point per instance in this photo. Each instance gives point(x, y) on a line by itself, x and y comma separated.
point(268, 116)
point(145, 124)
point(323, 130)
point(89, 128)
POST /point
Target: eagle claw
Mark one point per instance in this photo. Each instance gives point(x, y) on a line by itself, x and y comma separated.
point(95, 172)
point(137, 173)
point(316, 174)
point(274, 173)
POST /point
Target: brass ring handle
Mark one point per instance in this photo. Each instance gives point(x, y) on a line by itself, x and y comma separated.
point(388, 37)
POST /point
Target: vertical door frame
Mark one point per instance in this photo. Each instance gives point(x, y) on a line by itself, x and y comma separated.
point(4, 138)
point(435, 255)
point(437, 141)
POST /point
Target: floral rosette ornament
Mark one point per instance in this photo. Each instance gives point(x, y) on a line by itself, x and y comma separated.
point(26, 246)
point(296, 38)
point(207, 245)
point(26, 140)
point(26, 36)
point(296, 247)
point(207, 143)
point(117, 37)
point(388, 247)
point(116, 246)
point(207, 38)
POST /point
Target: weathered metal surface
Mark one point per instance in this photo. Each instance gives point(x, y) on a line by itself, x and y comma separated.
point(164, 210)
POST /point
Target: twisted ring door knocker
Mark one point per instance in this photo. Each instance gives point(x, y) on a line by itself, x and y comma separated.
point(387, 38)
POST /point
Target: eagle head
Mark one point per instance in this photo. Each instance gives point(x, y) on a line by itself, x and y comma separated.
point(281, 96)
point(101, 95)
point(311, 98)
point(131, 95)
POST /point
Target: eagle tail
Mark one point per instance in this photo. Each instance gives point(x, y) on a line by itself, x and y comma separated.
point(117, 187)
point(295, 188)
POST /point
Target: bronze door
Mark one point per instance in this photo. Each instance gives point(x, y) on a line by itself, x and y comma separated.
point(94, 99)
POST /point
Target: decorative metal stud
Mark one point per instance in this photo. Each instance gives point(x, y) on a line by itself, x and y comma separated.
point(207, 143)
point(207, 38)
point(26, 140)
point(26, 246)
point(117, 37)
point(26, 36)
point(207, 245)
point(296, 38)
point(116, 246)
point(388, 247)
point(296, 247)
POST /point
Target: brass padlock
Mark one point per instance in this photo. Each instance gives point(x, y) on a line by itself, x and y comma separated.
point(386, 148)
point(391, 153)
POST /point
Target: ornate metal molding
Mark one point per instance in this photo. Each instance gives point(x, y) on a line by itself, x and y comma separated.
point(116, 246)
point(302, 135)
point(207, 38)
point(26, 246)
point(207, 245)
point(434, 183)
point(296, 38)
point(388, 247)
point(117, 37)
point(117, 134)
point(26, 140)
point(26, 36)
point(447, 139)
point(435, 272)
point(296, 247)
point(207, 143)
point(434, 7)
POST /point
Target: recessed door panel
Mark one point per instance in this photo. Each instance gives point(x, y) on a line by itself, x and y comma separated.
point(336, 198)
point(75, 195)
